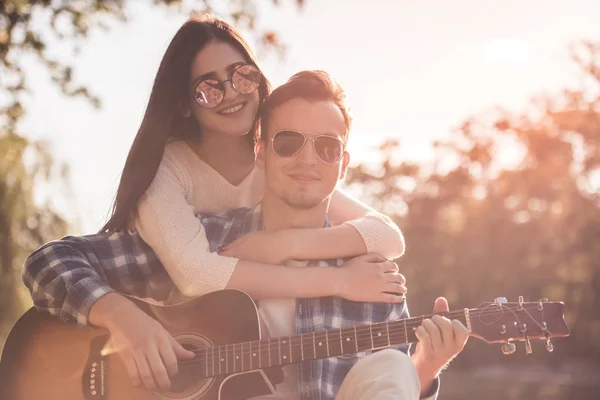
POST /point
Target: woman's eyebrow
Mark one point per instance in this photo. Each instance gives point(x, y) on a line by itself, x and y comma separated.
point(214, 75)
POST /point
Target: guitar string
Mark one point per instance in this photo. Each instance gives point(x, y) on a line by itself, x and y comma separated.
point(395, 325)
point(394, 328)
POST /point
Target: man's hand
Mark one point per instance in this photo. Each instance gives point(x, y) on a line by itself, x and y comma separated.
point(371, 278)
point(440, 340)
point(148, 351)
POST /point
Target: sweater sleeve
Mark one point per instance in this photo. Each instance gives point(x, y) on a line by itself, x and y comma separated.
point(167, 222)
point(380, 234)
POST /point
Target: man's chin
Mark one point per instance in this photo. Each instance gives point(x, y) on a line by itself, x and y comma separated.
point(303, 203)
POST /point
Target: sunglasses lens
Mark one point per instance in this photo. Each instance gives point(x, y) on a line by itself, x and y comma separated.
point(208, 93)
point(287, 143)
point(246, 79)
point(329, 149)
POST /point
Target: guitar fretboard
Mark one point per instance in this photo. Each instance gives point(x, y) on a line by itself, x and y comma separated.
point(279, 351)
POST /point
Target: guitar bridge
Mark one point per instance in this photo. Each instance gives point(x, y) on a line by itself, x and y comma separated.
point(93, 381)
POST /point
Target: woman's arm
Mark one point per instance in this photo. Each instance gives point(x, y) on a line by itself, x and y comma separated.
point(356, 229)
point(378, 233)
point(168, 224)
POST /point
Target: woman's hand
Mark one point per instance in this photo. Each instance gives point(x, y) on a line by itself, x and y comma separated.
point(268, 247)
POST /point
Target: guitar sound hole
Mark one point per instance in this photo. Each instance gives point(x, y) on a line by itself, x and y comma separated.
point(188, 374)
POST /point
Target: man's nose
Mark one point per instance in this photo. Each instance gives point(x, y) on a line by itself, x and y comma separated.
point(307, 153)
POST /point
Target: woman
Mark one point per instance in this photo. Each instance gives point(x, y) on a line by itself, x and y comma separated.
point(194, 153)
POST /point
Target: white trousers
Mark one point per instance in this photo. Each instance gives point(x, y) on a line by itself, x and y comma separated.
point(385, 375)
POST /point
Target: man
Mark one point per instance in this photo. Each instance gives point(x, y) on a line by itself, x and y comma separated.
point(305, 127)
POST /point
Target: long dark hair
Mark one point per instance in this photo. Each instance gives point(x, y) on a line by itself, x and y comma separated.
point(163, 118)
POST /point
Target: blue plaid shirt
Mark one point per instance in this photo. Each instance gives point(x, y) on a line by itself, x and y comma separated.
point(67, 276)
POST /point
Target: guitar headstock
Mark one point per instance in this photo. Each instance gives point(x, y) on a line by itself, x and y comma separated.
point(503, 322)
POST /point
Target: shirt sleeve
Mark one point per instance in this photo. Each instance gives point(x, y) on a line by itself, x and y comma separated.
point(63, 282)
point(167, 222)
point(380, 234)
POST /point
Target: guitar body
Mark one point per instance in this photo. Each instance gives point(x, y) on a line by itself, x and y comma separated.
point(47, 359)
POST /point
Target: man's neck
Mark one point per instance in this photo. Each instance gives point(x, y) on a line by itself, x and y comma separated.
point(276, 215)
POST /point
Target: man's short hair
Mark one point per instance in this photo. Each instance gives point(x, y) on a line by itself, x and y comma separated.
point(314, 85)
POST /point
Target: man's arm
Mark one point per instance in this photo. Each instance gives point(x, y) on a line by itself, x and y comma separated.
point(63, 281)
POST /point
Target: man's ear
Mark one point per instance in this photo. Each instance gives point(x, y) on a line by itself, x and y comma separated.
point(260, 149)
point(345, 162)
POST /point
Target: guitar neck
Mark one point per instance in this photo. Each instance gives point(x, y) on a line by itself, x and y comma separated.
point(285, 350)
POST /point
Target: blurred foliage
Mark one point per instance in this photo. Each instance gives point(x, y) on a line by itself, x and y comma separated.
point(29, 32)
point(477, 227)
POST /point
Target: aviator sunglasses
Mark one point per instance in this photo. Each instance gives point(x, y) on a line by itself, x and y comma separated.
point(288, 143)
point(244, 79)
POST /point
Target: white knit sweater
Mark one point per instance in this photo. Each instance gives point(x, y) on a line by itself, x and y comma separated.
point(185, 185)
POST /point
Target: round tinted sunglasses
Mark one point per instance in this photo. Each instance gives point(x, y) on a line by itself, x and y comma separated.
point(288, 143)
point(244, 79)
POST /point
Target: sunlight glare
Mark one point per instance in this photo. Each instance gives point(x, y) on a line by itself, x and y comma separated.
point(506, 52)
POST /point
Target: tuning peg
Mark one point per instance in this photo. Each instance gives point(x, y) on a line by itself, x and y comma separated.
point(508, 348)
point(500, 300)
point(528, 349)
point(549, 346)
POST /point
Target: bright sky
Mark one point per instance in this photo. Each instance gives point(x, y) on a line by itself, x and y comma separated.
point(412, 70)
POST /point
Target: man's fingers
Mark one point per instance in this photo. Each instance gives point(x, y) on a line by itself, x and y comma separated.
point(447, 332)
point(461, 333)
point(434, 333)
point(144, 370)
point(424, 338)
point(180, 351)
point(159, 372)
point(440, 305)
point(169, 358)
point(132, 369)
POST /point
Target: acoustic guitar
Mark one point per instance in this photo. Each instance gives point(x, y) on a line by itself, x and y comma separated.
point(47, 359)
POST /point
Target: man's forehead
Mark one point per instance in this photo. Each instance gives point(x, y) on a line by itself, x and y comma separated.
point(309, 117)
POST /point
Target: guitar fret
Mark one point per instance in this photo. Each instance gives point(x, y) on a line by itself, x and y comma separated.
point(290, 342)
point(327, 342)
point(213, 361)
point(334, 343)
point(405, 330)
point(220, 360)
point(379, 336)
point(265, 353)
point(397, 333)
point(314, 345)
point(284, 352)
point(269, 349)
point(387, 328)
point(226, 358)
point(279, 347)
point(371, 336)
point(206, 363)
point(321, 348)
point(309, 346)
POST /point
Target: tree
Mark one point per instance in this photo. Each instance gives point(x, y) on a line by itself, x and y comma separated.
point(28, 30)
point(477, 228)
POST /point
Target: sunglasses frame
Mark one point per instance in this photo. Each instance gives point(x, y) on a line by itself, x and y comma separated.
point(222, 85)
point(313, 140)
